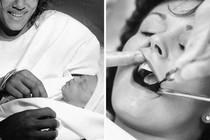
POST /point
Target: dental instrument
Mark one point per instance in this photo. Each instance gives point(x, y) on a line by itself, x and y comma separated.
point(170, 75)
point(181, 94)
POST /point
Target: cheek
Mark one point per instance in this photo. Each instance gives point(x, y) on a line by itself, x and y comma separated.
point(33, 5)
point(120, 96)
point(160, 116)
point(136, 42)
point(5, 3)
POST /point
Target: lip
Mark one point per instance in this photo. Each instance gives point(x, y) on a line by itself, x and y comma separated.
point(16, 15)
point(139, 77)
point(147, 88)
point(164, 85)
point(151, 67)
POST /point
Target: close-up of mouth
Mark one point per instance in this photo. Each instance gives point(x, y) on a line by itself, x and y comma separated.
point(16, 15)
point(145, 77)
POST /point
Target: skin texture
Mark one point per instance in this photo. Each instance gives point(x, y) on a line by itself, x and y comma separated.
point(24, 84)
point(28, 125)
point(143, 113)
point(15, 14)
point(123, 58)
point(79, 90)
point(195, 61)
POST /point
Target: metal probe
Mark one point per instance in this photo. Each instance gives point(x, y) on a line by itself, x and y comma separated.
point(181, 94)
point(170, 75)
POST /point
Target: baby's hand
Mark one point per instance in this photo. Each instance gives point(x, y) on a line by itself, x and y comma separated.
point(79, 90)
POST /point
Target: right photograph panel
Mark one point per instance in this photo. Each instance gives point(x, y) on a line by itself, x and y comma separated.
point(158, 70)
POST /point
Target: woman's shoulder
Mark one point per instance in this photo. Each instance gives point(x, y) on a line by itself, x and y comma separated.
point(49, 16)
point(59, 19)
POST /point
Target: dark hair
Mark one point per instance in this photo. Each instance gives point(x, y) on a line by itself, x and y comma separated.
point(143, 7)
point(42, 6)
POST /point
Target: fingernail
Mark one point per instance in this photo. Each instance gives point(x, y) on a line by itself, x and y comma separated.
point(58, 124)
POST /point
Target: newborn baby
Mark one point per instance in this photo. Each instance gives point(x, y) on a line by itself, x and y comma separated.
point(79, 90)
point(76, 91)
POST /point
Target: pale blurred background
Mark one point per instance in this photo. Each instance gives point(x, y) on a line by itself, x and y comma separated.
point(117, 13)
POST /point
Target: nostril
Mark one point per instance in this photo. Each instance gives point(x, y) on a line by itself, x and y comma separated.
point(159, 50)
point(18, 8)
point(149, 44)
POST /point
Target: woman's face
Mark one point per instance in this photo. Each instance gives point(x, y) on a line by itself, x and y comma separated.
point(135, 99)
point(15, 14)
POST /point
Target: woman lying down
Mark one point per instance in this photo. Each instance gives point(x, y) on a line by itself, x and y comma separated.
point(160, 29)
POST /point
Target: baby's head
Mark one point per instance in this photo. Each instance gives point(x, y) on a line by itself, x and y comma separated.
point(163, 33)
point(79, 90)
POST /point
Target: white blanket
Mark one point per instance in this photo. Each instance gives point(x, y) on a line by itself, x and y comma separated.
point(75, 123)
point(114, 132)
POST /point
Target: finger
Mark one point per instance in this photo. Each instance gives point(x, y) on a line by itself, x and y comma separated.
point(13, 91)
point(43, 113)
point(32, 86)
point(22, 89)
point(46, 135)
point(42, 90)
point(197, 69)
point(31, 76)
point(123, 58)
point(49, 123)
point(200, 35)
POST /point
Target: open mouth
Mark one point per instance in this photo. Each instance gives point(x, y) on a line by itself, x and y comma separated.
point(16, 15)
point(145, 77)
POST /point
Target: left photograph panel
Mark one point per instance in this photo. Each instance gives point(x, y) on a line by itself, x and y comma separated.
point(52, 69)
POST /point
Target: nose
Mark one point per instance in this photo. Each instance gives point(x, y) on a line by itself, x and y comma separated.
point(167, 42)
point(158, 46)
point(19, 4)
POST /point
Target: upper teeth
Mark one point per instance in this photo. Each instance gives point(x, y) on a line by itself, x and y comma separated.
point(145, 66)
point(17, 15)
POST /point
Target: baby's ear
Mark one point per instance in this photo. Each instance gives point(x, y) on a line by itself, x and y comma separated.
point(206, 117)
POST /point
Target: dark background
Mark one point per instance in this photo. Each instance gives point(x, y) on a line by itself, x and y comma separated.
point(88, 12)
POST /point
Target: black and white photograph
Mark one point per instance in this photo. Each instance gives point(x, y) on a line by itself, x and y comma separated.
point(158, 75)
point(51, 69)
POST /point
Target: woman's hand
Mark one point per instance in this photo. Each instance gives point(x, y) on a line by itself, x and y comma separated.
point(30, 125)
point(195, 62)
point(25, 84)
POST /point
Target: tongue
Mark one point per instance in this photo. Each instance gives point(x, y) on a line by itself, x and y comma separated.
point(150, 79)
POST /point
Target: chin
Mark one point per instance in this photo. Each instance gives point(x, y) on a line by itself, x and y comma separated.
point(15, 27)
